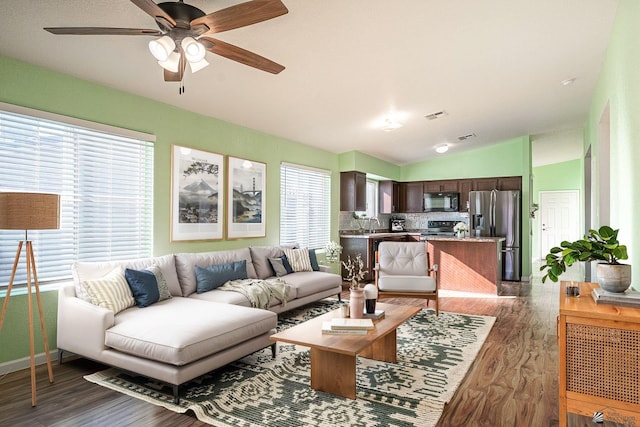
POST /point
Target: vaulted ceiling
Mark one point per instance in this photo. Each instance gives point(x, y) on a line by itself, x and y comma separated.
point(495, 67)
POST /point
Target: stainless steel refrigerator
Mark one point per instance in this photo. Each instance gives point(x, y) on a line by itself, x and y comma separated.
point(497, 214)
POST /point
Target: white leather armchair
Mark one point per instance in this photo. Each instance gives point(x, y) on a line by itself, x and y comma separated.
point(402, 270)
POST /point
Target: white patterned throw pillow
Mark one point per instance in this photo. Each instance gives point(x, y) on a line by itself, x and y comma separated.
point(299, 259)
point(111, 291)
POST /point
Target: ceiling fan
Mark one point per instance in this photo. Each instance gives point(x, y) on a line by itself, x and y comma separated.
point(185, 34)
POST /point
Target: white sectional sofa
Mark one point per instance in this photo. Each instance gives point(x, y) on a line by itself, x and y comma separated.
point(177, 339)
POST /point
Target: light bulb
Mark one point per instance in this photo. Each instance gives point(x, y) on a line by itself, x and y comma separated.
point(162, 47)
point(193, 51)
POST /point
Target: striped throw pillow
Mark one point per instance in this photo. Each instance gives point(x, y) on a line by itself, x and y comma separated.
point(111, 291)
point(299, 259)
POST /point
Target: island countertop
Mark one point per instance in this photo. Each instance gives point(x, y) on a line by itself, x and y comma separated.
point(465, 239)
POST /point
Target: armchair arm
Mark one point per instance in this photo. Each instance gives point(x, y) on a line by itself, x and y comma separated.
point(434, 272)
point(81, 325)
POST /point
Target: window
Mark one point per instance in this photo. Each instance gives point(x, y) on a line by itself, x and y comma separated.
point(104, 177)
point(305, 206)
point(372, 198)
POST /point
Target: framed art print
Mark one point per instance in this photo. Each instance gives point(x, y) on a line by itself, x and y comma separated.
point(197, 194)
point(246, 198)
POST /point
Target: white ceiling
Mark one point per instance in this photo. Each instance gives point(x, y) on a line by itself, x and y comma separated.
point(495, 66)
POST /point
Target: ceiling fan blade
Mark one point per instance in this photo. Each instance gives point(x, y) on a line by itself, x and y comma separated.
point(241, 15)
point(153, 10)
point(243, 56)
point(170, 76)
point(99, 31)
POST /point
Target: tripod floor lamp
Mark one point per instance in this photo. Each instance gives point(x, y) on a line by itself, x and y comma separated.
point(29, 211)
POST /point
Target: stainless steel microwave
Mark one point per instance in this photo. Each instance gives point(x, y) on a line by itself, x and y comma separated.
point(441, 202)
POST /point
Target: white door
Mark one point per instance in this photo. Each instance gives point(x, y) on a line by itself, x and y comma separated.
point(559, 218)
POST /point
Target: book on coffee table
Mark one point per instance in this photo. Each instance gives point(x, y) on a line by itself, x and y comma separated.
point(378, 314)
point(328, 329)
point(348, 323)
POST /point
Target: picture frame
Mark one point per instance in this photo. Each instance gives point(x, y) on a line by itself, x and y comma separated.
point(246, 197)
point(197, 194)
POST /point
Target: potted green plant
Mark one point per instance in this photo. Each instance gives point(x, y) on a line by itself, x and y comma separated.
point(599, 245)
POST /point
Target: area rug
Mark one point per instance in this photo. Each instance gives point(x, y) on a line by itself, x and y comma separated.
point(434, 355)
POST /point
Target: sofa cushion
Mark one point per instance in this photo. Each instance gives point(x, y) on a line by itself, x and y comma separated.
point(400, 283)
point(186, 263)
point(181, 330)
point(111, 291)
point(311, 282)
point(260, 256)
point(143, 285)
point(299, 259)
point(86, 270)
point(214, 276)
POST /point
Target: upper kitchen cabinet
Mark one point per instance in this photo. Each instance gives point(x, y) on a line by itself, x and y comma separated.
point(445, 185)
point(485, 184)
point(388, 197)
point(504, 183)
point(411, 197)
point(464, 186)
point(353, 191)
point(510, 183)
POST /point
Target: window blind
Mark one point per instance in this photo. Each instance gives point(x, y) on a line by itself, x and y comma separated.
point(106, 185)
point(305, 206)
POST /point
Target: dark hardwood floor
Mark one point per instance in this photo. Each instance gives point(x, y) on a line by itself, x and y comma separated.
point(513, 382)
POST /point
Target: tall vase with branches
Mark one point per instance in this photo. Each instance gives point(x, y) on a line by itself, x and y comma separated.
point(355, 273)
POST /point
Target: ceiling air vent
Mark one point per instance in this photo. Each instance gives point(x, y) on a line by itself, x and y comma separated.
point(467, 136)
point(436, 115)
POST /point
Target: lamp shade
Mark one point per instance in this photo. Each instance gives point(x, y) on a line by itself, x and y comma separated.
point(29, 211)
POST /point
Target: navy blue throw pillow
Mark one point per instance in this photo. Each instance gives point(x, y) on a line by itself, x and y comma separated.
point(216, 275)
point(314, 260)
point(287, 265)
point(144, 286)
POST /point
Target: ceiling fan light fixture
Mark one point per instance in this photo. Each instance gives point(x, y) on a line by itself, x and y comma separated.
point(193, 51)
point(162, 48)
point(197, 66)
point(172, 63)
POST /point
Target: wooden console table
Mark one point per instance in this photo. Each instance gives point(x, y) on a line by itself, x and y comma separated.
point(599, 358)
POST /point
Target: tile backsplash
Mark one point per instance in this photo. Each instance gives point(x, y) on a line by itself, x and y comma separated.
point(413, 221)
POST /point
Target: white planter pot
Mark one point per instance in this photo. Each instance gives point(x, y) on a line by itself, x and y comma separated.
point(614, 277)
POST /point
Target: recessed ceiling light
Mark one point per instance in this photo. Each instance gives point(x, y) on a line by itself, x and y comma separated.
point(567, 82)
point(442, 148)
point(390, 124)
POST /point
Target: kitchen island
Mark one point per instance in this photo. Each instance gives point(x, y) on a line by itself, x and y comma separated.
point(472, 264)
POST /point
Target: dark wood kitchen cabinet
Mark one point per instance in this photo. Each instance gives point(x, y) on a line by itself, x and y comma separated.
point(351, 247)
point(464, 186)
point(450, 185)
point(485, 184)
point(388, 197)
point(411, 197)
point(353, 191)
point(510, 183)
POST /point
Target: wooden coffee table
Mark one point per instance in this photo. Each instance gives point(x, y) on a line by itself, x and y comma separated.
point(333, 357)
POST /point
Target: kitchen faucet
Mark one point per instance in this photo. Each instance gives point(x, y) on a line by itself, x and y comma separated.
point(372, 219)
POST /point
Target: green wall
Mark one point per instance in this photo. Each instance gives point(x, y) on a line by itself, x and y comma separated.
point(559, 176)
point(356, 161)
point(619, 87)
point(30, 86)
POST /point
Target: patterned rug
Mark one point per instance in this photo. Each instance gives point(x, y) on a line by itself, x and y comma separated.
point(434, 355)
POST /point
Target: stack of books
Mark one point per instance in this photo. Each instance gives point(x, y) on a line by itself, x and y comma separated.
point(627, 298)
point(377, 314)
point(340, 326)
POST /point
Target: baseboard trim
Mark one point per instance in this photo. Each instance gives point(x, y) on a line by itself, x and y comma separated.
point(25, 362)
